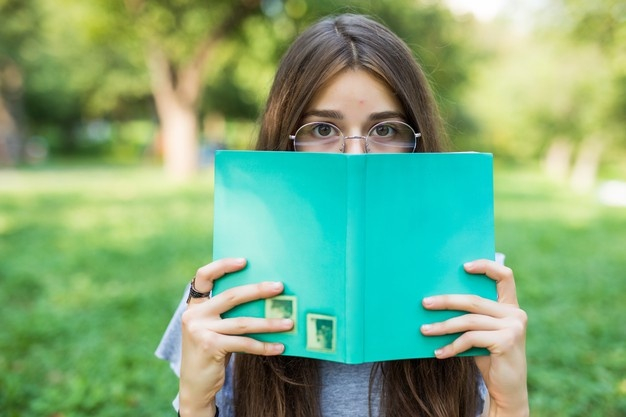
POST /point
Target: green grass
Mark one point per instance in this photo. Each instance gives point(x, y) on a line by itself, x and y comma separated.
point(92, 265)
point(569, 256)
point(93, 262)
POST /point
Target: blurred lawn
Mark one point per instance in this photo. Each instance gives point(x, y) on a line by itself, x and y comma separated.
point(93, 262)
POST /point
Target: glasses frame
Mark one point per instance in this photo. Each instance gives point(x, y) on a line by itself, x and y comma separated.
point(416, 135)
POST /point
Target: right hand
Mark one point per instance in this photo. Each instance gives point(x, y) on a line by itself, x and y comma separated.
point(208, 340)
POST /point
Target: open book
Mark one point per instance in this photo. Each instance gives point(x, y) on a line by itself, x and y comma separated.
point(358, 241)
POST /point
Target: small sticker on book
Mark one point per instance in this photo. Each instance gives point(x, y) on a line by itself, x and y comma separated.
point(283, 307)
point(321, 333)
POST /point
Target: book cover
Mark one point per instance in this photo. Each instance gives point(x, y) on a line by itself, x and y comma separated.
point(358, 241)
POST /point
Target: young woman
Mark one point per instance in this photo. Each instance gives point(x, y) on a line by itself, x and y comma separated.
point(347, 84)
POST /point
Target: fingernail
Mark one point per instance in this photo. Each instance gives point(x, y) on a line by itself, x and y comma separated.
point(426, 328)
point(240, 261)
point(288, 323)
point(427, 301)
point(438, 352)
point(277, 285)
point(278, 348)
point(468, 265)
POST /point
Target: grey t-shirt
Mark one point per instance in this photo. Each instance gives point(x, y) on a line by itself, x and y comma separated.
point(345, 388)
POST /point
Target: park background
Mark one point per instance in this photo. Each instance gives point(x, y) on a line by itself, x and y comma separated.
point(110, 112)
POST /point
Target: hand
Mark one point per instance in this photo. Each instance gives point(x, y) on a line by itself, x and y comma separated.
point(499, 326)
point(208, 340)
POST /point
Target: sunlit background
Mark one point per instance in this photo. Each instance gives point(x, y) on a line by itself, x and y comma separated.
point(110, 114)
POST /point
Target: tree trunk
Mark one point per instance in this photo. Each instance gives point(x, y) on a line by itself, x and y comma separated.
point(7, 134)
point(12, 141)
point(586, 166)
point(176, 96)
point(557, 159)
point(179, 130)
point(176, 91)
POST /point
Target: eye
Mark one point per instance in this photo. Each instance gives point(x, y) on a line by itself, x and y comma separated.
point(392, 136)
point(323, 130)
point(384, 130)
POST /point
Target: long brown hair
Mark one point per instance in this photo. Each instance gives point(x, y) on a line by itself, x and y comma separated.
point(289, 387)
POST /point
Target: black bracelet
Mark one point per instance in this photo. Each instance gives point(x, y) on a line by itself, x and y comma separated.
point(217, 412)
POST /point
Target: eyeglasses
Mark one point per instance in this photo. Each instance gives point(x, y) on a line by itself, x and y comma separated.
point(384, 137)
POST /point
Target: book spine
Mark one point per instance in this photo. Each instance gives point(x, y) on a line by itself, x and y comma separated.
point(355, 257)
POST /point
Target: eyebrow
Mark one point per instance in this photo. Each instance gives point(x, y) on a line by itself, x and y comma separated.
point(325, 114)
point(387, 115)
point(333, 114)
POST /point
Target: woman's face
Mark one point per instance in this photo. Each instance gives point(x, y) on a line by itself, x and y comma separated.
point(354, 101)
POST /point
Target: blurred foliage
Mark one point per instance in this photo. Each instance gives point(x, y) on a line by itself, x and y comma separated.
point(501, 88)
point(89, 60)
point(19, 27)
point(553, 87)
point(530, 94)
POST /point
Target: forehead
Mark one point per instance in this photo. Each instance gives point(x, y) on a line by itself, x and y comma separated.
point(355, 92)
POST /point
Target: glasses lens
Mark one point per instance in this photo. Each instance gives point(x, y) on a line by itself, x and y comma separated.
point(318, 137)
point(391, 137)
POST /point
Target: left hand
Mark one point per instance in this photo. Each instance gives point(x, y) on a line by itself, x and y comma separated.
point(499, 326)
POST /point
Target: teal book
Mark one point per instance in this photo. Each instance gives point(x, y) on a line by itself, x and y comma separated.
point(358, 241)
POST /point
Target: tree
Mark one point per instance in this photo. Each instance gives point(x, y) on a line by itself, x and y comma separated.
point(600, 24)
point(17, 32)
point(177, 76)
point(177, 73)
point(100, 59)
point(554, 91)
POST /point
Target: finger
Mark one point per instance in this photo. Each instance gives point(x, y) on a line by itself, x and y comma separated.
point(208, 273)
point(510, 336)
point(469, 303)
point(464, 323)
point(248, 325)
point(235, 296)
point(505, 282)
point(480, 339)
point(200, 335)
point(252, 346)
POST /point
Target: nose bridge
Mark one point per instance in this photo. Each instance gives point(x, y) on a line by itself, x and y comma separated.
point(355, 144)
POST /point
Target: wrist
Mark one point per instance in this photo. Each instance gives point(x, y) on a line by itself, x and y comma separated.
point(209, 411)
point(195, 403)
point(522, 411)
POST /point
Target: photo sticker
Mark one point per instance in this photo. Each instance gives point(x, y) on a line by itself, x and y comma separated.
point(321, 333)
point(282, 307)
